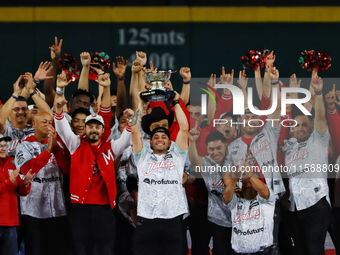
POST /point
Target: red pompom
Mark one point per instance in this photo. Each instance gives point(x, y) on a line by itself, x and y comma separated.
point(310, 59)
point(69, 65)
point(253, 58)
point(99, 60)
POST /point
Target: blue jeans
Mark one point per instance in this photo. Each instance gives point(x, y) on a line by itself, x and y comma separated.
point(8, 240)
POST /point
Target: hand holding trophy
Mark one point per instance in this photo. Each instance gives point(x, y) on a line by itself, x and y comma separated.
point(157, 91)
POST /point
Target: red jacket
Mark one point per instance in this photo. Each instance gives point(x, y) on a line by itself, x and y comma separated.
point(83, 158)
point(8, 193)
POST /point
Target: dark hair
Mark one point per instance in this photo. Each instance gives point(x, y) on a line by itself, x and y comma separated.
point(113, 92)
point(297, 112)
point(21, 99)
point(80, 110)
point(194, 103)
point(215, 136)
point(82, 92)
point(229, 114)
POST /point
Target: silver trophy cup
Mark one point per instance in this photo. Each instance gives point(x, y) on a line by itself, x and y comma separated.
point(157, 91)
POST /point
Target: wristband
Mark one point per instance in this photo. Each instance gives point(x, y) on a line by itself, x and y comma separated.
point(274, 83)
point(317, 93)
point(175, 102)
point(33, 93)
point(266, 70)
point(186, 82)
point(121, 79)
point(60, 90)
point(59, 94)
point(15, 97)
point(35, 81)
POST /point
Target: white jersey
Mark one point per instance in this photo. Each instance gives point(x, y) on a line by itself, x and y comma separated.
point(160, 190)
point(46, 198)
point(132, 166)
point(263, 147)
point(253, 223)
point(307, 184)
point(17, 136)
point(217, 212)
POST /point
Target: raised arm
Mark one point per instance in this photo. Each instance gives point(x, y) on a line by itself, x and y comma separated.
point(183, 134)
point(320, 122)
point(8, 106)
point(229, 190)
point(195, 159)
point(62, 127)
point(30, 87)
point(258, 81)
point(136, 122)
point(267, 88)
point(243, 83)
point(211, 100)
point(308, 105)
point(274, 81)
point(119, 71)
point(85, 58)
point(186, 75)
point(134, 87)
point(294, 83)
point(49, 84)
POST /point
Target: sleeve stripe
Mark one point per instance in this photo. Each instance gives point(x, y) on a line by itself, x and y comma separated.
point(128, 128)
point(105, 109)
point(58, 116)
point(331, 111)
point(268, 98)
point(226, 97)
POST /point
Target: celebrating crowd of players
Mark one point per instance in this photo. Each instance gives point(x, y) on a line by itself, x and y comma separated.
point(95, 177)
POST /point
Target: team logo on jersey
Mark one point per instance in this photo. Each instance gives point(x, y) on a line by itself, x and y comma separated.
point(259, 146)
point(253, 214)
point(216, 193)
point(154, 182)
point(218, 183)
point(238, 162)
point(296, 156)
point(160, 165)
point(13, 145)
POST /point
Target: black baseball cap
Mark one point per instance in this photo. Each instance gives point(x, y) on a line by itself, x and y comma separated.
point(160, 130)
point(5, 138)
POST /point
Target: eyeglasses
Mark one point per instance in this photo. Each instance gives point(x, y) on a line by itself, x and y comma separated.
point(86, 104)
point(17, 109)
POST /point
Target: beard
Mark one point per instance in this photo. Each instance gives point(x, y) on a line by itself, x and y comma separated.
point(93, 137)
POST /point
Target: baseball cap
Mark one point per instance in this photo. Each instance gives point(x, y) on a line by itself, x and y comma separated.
point(32, 106)
point(247, 110)
point(94, 117)
point(5, 138)
point(161, 130)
